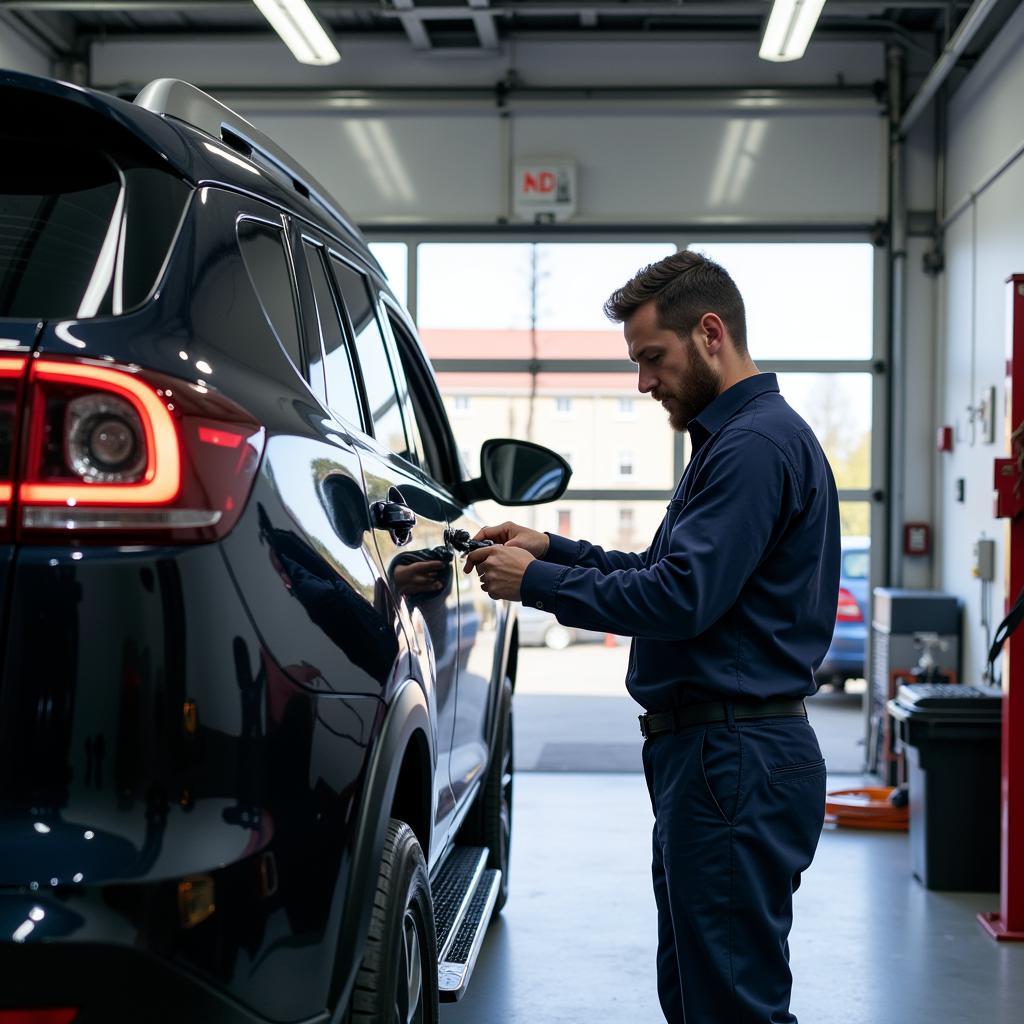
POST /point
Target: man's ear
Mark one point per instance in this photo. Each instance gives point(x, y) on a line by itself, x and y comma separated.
point(714, 331)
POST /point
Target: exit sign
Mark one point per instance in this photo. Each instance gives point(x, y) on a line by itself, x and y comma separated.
point(544, 191)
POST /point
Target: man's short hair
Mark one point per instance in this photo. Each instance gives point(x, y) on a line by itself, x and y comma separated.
point(684, 287)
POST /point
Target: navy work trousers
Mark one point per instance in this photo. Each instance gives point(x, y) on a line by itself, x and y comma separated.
point(738, 812)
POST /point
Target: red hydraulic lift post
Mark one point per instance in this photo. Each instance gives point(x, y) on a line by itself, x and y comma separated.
point(1008, 922)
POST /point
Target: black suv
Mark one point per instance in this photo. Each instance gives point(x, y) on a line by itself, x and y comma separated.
point(255, 725)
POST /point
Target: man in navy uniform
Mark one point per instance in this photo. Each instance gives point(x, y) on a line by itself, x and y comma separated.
point(731, 609)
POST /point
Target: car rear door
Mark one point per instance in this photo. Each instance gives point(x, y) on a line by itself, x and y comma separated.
point(478, 614)
point(417, 562)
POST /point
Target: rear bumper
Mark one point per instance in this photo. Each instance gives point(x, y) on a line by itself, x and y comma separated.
point(147, 735)
point(108, 984)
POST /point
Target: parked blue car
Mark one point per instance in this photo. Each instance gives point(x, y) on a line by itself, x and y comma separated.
point(845, 657)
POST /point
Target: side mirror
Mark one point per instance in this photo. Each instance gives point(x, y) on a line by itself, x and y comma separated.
point(519, 473)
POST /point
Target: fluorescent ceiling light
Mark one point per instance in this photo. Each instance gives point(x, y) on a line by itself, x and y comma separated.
point(300, 30)
point(789, 29)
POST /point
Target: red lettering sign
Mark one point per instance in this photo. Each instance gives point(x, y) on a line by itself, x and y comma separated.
point(543, 183)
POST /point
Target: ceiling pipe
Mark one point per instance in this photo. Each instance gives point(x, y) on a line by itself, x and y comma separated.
point(961, 39)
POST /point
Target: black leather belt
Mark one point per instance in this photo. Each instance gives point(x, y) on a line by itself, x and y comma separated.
point(659, 722)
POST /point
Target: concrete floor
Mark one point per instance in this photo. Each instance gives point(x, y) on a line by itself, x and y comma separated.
point(575, 945)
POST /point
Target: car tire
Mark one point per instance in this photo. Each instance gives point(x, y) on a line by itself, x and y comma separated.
point(490, 822)
point(397, 980)
point(557, 637)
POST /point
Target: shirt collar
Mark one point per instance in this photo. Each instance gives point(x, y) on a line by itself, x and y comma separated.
point(717, 413)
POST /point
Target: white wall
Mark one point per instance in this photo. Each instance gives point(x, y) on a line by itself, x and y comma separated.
point(16, 54)
point(418, 157)
point(983, 247)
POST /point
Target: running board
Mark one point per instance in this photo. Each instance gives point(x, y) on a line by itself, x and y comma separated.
point(452, 892)
point(457, 965)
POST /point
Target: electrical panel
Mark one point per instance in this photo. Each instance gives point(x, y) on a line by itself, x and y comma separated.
point(985, 559)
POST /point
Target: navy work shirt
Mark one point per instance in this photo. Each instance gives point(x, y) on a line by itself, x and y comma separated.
point(736, 596)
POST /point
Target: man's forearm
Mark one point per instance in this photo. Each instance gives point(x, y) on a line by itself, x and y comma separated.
point(563, 551)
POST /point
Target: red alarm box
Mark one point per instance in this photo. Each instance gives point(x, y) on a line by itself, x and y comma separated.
point(917, 539)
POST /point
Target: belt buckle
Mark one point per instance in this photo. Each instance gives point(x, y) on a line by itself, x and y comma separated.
point(642, 719)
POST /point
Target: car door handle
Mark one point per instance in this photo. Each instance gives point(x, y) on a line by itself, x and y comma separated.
point(399, 520)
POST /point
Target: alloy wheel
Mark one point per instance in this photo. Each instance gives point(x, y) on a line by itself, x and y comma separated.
point(409, 990)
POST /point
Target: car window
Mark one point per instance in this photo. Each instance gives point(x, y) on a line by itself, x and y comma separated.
point(266, 259)
point(85, 237)
point(855, 565)
point(381, 392)
point(412, 428)
point(432, 439)
point(342, 391)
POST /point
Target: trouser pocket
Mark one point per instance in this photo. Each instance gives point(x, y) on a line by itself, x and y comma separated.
point(804, 771)
point(721, 760)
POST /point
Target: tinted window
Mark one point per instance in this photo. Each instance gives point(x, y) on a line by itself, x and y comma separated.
point(855, 565)
point(342, 393)
point(84, 237)
point(266, 260)
point(385, 405)
point(429, 435)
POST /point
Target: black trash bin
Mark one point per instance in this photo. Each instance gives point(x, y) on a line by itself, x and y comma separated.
point(951, 737)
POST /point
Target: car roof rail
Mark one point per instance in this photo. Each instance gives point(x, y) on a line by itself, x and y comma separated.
point(171, 97)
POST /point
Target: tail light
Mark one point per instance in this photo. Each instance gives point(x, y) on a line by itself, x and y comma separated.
point(848, 610)
point(122, 453)
point(53, 1015)
point(12, 369)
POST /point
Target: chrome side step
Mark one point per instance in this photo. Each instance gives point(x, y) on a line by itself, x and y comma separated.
point(457, 965)
point(453, 891)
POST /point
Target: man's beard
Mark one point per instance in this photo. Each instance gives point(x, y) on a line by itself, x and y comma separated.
point(698, 390)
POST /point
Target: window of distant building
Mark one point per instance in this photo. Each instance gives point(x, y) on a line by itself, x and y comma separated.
point(624, 463)
point(462, 403)
point(563, 405)
point(626, 520)
point(565, 521)
point(627, 408)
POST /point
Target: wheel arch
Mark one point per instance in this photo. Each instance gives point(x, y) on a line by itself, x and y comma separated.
point(402, 751)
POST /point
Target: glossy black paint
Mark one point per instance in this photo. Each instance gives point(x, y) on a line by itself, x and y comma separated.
point(248, 711)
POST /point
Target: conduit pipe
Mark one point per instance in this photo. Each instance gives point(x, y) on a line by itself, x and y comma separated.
point(961, 39)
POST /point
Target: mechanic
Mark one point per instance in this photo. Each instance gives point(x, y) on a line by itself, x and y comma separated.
point(731, 609)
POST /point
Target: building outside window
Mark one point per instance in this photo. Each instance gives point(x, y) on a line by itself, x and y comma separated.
point(565, 521)
point(484, 350)
point(461, 403)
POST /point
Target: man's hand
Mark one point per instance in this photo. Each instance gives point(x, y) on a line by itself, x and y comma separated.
point(512, 535)
point(500, 569)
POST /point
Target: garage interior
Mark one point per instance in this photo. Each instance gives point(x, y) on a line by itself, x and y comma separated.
point(865, 198)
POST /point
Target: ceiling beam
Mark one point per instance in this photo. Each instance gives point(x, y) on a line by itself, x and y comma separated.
point(681, 8)
point(412, 21)
point(485, 25)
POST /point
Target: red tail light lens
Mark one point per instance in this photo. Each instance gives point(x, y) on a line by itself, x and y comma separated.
point(62, 1015)
point(12, 369)
point(126, 452)
point(848, 610)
